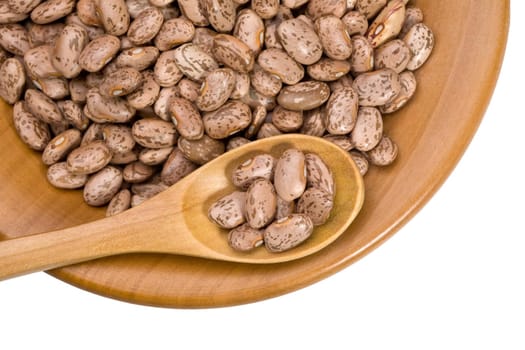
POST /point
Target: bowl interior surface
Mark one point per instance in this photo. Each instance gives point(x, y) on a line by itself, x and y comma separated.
point(432, 133)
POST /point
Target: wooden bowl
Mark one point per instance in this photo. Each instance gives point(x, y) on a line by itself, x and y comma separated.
point(432, 132)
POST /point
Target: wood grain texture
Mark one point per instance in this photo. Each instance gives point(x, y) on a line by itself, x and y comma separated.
point(432, 132)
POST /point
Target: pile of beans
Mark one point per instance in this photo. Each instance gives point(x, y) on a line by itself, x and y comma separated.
point(126, 97)
point(278, 203)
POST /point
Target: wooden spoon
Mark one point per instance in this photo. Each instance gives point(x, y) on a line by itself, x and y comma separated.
point(176, 221)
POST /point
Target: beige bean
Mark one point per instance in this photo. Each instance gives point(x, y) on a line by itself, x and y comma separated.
point(39, 62)
point(154, 156)
point(12, 80)
point(420, 40)
point(387, 24)
point(370, 8)
point(136, 172)
point(114, 16)
point(189, 89)
point(195, 11)
point(32, 131)
point(344, 81)
point(394, 54)
point(89, 158)
point(149, 188)
point(42, 107)
point(54, 88)
point(161, 106)
point(108, 109)
point(284, 208)
point(121, 82)
point(362, 59)
point(44, 34)
point(341, 141)
point(286, 120)
point(125, 158)
point(413, 15)
point(87, 12)
point(317, 204)
point(154, 133)
point(201, 151)
point(259, 115)
point(93, 32)
point(266, 9)
point(174, 32)
point(268, 130)
point(187, 118)
point(288, 232)
point(261, 166)
point(242, 85)
point(14, 38)
point(290, 175)
point(245, 239)
point(378, 87)
point(102, 186)
point(313, 123)
point(94, 132)
point(204, 39)
point(60, 177)
point(327, 69)
point(233, 53)
point(229, 211)
point(145, 26)
point(193, 62)
point(355, 22)
point(279, 63)
point(384, 153)
point(72, 113)
point(236, 142)
point(176, 167)
point(264, 82)
point(304, 96)
point(334, 38)
point(7, 15)
point(319, 174)
point(300, 41)
point(368, 129)
point(231, 118)
point(139, 58)
point(319, 8)
point(249, 28)
point(341, 111)
point(360, 161)
point(261, 203)
point(119, 203)
point(221, 14)
point(146, 94)
point(52, 10)
point(60, 146)
point(216, 89)
point(22, 7)
point(408, 88)
point(118, 138)
point(99, 52)
point(254, 99)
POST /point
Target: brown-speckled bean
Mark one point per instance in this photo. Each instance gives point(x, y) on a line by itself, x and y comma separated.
point(384, 153)
point(341, 111)
point(362, 59)
point(99, 52)
point(174, 32)
point(12, 80)
point(89, 158)
point(154, 133)
point(114, 16)
point(44, 34)
point(22, 7)
point(221, 14)
point(355, 22)
point(154, 156)
point(286, 120)
point(259, 115)
point(369, 8)
point(42, 107)
point(327, 69)
point(195, 11)
point(413, 15)
point(194, 62)
point(78, 89)
point(72, 113)
point(334, 38)
point(304, 96)
point(271, 40)
point(201, 151)
point(408, 88)
point(136, 172)
point(229, 211)
point(420, 40)
point(108, 109)
point(121, 82)
point(118, 138)
point(187, 118)
point(288, 232)
point(317, 204)
point(51, 10)
point(341, 141)
point(300, 41)
point(189, 89)
point(245, 238)
point(231, 118)
point(54, 88)
point(360, 161)
point(233, 53)
point(39, 62)
point(119, 203)
point(146, 94)
point(284, 208)
point(368, 129)
point(102, 186)
point(266, 9)
point(290, 174)
point(249, 28)
point(87, 12)
point(161, 106)
point(261, 203)
point(318, 8)
point(267, 130)
point(260, 166)
point(60, 177)
point(14, 38)
point(139, 58)
point(32, 131)
point(254, 99)
point(387, 24)
point(393, 54)
point(59, 147)
point(318, 174)
point(146, 26)
point(176, 167)
point(378, 87)
point(216, 89)
point(279, 63)
point(264, 82)
point(313, 123)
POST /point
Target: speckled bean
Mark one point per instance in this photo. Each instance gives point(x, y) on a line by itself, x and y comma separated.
point(102, 186)
point(236, 142)
point(174, 32)
point(304, 96)
point(161, 106)
point(121, 82)
point(355, 22)
point(14, 38)
point(136, 172)
point(341, 111)
point(318, 174)
point(327, 69)
point(118, 138)
point(60, 146)
point(201, 151)
point(387, 24)
point(394, 54)
point(216, 89)
point(362, 59)
point(360, 161)
point(154, 133)
point(39, 62)
point(341, 141)
point(384, 153)
point(146, 94)
point(189, 89)
point(313, 123)
point(231, 118)
point(413, 15)
point(229, 211)
point(187, 118)
point(259, 115)
point(221, 14)
point(260, 166)
point(119, 203)
point(87, 12)
point(154, 156)
point(72, 113)
point(319, 8)
point(334, 38)
point(369, 8)
point(51, 10)
point(44, 34)
point(288, 232)
point(368, 129)
point(42, 107)
point(89, 158)
point(420, 40)
point(279, 63)
point(60, 177)
point(233, 53)
point(249, 28)
point(290, 174)
point(261, 203)
point(32, 131)
point(408, 88)
point(12, 80)
point(195, 11)
point(266, 9)
point(317, 204)
point(300, 41)
point(114, 16)
point(145, 26)
point(267, 130)
point(139, 58)
point(108, 109)
point(99, 52)
point(286, 120)
point(264, 82)
point(194, 62)
point(176, 167)
point(245, 238)
point(54, 88)
point(378, 87)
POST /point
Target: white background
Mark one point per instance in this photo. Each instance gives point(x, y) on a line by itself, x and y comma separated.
point(452, 278)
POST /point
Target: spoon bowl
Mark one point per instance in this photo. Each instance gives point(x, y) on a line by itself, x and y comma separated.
point(176, 221)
